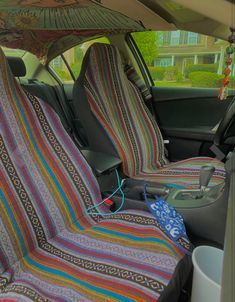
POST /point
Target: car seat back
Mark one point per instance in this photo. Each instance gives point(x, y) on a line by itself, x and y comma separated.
point(46, 185)
point(117, 104)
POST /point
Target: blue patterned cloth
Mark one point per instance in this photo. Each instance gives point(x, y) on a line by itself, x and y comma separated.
point(170, 220)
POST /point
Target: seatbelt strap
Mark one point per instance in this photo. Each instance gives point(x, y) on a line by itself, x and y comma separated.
point(61, 101)
point(68, 114)
point(134, 77)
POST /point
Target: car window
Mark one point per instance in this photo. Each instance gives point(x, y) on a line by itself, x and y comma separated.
point(72, 58)
point(13, 52)
point(183, 59)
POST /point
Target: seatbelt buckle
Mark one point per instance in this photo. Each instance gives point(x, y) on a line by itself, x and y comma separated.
point(166, 142)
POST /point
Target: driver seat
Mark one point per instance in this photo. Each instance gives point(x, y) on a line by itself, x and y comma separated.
point(117, 122)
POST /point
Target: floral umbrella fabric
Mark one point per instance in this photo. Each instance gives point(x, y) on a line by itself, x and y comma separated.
point(49, 27)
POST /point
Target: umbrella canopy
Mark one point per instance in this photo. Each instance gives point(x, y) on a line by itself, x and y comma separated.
point(48, 27)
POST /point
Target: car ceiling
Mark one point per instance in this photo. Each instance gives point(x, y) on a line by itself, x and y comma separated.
point(49, 27)
point(209, 17)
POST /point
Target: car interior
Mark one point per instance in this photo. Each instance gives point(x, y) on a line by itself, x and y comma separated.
point(116, 168)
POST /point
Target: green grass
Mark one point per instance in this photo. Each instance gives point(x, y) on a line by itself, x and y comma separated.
point(172, 84)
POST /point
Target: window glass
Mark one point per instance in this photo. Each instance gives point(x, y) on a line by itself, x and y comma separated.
point(163, 62)
point(59, 67)
point(13, 52)
point(184, 59)
point(192, 38)
point(174, 37)
point(74, 58)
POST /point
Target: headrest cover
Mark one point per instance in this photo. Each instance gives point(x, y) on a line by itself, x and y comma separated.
point(17, 66)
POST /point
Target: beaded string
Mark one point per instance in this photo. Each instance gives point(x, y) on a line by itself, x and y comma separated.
point(223, 92)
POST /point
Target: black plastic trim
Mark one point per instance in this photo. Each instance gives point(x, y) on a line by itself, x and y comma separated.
point(101, 163)
point(200, 134)
point(139, 59)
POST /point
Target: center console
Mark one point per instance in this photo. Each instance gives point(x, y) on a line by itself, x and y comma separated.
point(101, 163)
point(103, 166)
point(204, 209)
point(192, 198)
point(204, 214)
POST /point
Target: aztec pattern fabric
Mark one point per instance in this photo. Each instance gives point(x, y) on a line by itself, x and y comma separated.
point(185, 173)
point(51, 249)
point(49, 27)
point(119, 107)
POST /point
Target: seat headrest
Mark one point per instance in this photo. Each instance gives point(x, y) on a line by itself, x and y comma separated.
point(17, 66)
point(101, 51)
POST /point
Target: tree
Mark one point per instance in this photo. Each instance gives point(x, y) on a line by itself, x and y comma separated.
point(147, 43)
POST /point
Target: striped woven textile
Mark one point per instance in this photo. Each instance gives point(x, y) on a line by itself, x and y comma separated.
point(50, 248)
point(185, 173)
point(119, 107)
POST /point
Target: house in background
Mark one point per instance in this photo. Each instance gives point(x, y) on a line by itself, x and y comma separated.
point(176, 48)
point(181, 48)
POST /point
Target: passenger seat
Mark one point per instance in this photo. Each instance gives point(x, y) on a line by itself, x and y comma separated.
point(51, 95)
point(56, 243)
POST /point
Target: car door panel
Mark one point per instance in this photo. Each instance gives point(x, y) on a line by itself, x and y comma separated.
point(188, 118)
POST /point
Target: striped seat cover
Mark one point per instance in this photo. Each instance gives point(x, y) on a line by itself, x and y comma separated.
point(118, 106)
point(50, 248)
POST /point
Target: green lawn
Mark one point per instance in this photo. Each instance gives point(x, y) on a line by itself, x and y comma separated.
point(172, 84)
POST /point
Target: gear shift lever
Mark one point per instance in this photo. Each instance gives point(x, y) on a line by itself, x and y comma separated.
point(206, 173)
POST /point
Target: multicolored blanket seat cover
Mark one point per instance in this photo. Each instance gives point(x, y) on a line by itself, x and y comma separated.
point(118, 106)
point(50, 248)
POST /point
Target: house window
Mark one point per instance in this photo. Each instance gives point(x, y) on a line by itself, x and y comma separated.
point(181, 58)
point(208, 59)
point(192, 38)
point(164, 62)
point(175, 37)
point(161, 38)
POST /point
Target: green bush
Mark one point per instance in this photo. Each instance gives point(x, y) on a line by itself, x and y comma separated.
point(64, 75)
point(160, 73)
point(170, 73)
point(157, 73)
point(232, 82)
point(179, 77)
point(205, 79)
point(200, 67)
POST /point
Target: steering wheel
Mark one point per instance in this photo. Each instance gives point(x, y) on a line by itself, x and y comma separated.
point(224, 125)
